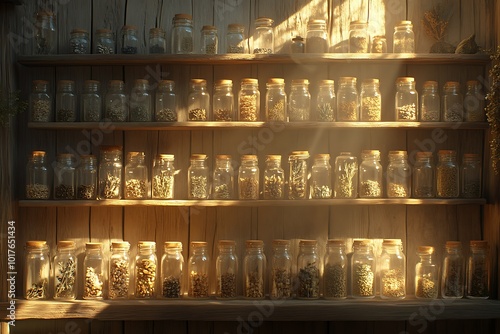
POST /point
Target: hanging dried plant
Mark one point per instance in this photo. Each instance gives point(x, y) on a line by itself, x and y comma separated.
point(435, 23)
point(493, 110)
point(10, 105)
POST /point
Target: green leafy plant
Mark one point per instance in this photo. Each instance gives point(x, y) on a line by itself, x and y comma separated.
point(10, 105)
point(493, 110)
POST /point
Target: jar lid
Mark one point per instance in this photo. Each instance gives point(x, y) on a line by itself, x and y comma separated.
point(65, 156)
point(103, 31)
point(446, 152)
point(352, 80)
point(471, 156)
point(249, 81)
point(91, 82)
point(298, 39)
point(335, 242)
point(40, 82)
point(196, 244)
point(254, 243)
point(45, 13)
point(224, 82)
point(300, 82)
point(404, 23)
point(264, 21)
point(36, 244)
point(398, 153)
point(424, 154)
point(166, 83)
point(425, 249)
point(223, 157)
point(38, 153)
point(169, 157)
point(93, 245)
point(305, 242)
point(65, 244)
point(227, 243)
point(391, 242)
point(473, 83)
point(361, 242)
point(198, 81)
point(405, 79)
point(451, 84)
point(88, 157)
point(370, 152)
point(300, 153)
point(156, 31)
point(370, 81)
point(359, 22)
point(316, 22)
point(79, 31)
point(183, 16)
point(479, 243)
point(246, 157)
point(281, 242)
point(129, 28)
point(345, 153)
point(235, 26)
point(326, 82)
point(120, 244)
point(430, 84)
point(115, 83)
point(276, 81)
point(110, 148)
point(273, 157)
point(209, 28)
point(65, 82)
point(141, 82)
point(146, 244)
point(198, 156)
point(134, 154)
point(172, 244)
point(322, 156)
point(453, 244)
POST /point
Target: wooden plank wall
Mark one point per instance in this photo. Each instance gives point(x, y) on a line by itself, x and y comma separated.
point(415, 225)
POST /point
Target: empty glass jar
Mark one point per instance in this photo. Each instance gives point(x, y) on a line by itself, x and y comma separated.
point(65, 270)
point(223, 178)
point(163, 179)
point(198, 177)
point(274, 178)
point(65, 101)
point(263, 36)
point(299, 108)
point(146, 264)
point(40, 102)
point(453, 271)
point(93, 267)
point(226, 268)
point(172, 270)
point(119, 270)
point(182, 41)
point(406, 100)
point(141, 109)
point(254, 270)
point(136, 177)
point(64, 177)
point(198, 101)
point(370, 174)
point(276, 101)
point(91, 101)
point(248, 177)
point(199, 270)
point(223, 101)
point(346, 176)
point(398, 175)
point(37, 176)
point(426, 274)
point(165, 102)
point(430, 103)
point(321, 177)
point(297, 183)
point(36, 270)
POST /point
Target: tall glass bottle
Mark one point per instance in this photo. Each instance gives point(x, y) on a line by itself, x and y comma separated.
point(326, 102)
point(471, 176)
point(478, 270)
point(453, 271)
point(347, 100)
point(65, 101)
point(163, 179)
point(198, 269)
point(223, 101)
point(398, 175)
point(370, 174)
point(40, 102)
point(146, 264)
point(119, 270)
point(297, 183)
point(65, 270)
point(299, 108)
point(93, 268)
point(36, 270)
point(308, 264)
point(248, 177)
point(165, 102)
point(226, 270)
point(91, 101)
point(392, 270)
point(321, 177)
point(254, 270)
point(406, 99)
point(136, 176)
point(198, 101)
point(198, 177)
point(281, 270)
point(37, 176)
point(423, 176)
point(64, 177)
point(249, 100)
point(172, 270)
point(426, 274)
point(447, 175)
point(110, 172)
point(276, 101)
point(430, 103)
point(274, 178)
point(335, 270)
point(263, 36)
point(363, 270)
point(141, 109)
point(346, 176)
point(453, 103)
point(371, 101)
point(182, 41)
point(223, 178)
point(116, 102)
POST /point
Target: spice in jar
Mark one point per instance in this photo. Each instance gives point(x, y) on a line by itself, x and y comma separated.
point(370, 174)
point(64, 177)
point(347, 100)
point(223, 177)
point(308, 270)
point(93, 271)
point(37, 176)
point(371, 101)
point(326, 104)
point(281, 270)
point(130, 42)
point(37, 270)
point(65, 264)
point(91, 101)
point(406, 99)
point(317, 37)
point(136, 176)
point(335, 270)
point(223, 101)
point(40, 102)
point(359, 39)
point(198, 186)
point(145, 269)
point(453, 107)
point(198, 269)
point(453, 271)
point(474, 102)
point(172, 269)
point(478, 270)
point(116, 105)
point(471, 176)
point(254, 269)
point(157, 41)
point(235, 38)
point(198, 101)
point(298, 45)
point(182, 34)
point(430, 104)
point(119, 270)
point(426, 274)
point(299, 108)
point(321, 177)
point(165, 106)
point(447, 175)
point(276, 101)
point(248, 177)
point(226, 269)
point(104, 42)
point(263, 37)
point(140, 102)
point(163, 176)
point(404, 38)
point(209, 40)
point(363, 270)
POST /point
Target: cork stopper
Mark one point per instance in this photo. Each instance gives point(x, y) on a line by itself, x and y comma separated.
point(281, 242)
point(66, 244)
point(168, 157)
point(209, 28)
point(247, 157)
point(300, 82)
point(276, 81)
point(198, 244)
point(36, 244)
point(479, 243)
point(198, 156)
point(172, 244)
point(146, 245)
point(305, 242)
point(273, 157)
point(425, 249)
point(335, 242)
point(249, 81)
point(326, 82)
point(198, 81)
point(224, 82)
point(93, 245)
point(453, 244)
point(120, 245)
point(226, 243)
point(322, 156)
point(254, 243)
point(405, 80)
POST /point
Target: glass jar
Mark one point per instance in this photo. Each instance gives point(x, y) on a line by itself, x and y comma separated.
point(163, 179)
point(430, 104)
point(79, 41)
point(392, 270)
point(347, 100)
point(140, 102)
point(172, 270)
point(93, 266)
point(64, 177)
point(298, 45)
point(248, 177)
point(404, 38)
point(136, 176)
point(91, 101)
point(182, 34)
point(226, 268)
point(37, 176)
point(37, 270)
point(45, 34)
point(308, 264)
point(130, 42)
point(110, 172)
point(371, 101)
point(379, 44)
point(316, 37)
point(335, 270)
point(299, 108)
point(235, 38)
point(326, 103)
point(426, 274)
point(406, 100)
point(119, 270)
point(165, 104)
point(297, 184)
point(157, 41)
point(104, 42)
point(471, 176)
point(249, 100)
point(281, 270)
point(198, 174)
point(423, 176)
point(276, 102)
point(40, 102)
point(346, 176)
point(198, 269)
point(453, 103)
point(447, 175)
point(209, 40)
point(478, 270)
point(263, 36)
point(254, 270)
point(363, 270)
point(65, 271)
point(321, 177)
point(198, 101)
point(398, 175)
point(274, 178)
point(359, 38)
point(370, 174)
point(223, 101)
point(223, 178)
point(145, 269)
point(474, 102)
point(65, 101)
point(116, 103)
point(453, 271)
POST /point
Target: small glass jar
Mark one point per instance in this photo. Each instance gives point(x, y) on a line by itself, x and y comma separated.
point(248, 177)
point(423, 176)
point(298, 45)
point(226, 268)
point(335, 270)
point(163, 179)
point(308, 264)
point(91, 101)
point(326, 102)
point(165, 102)
point(209, 40)
point(379, 44)
point(474, 102)
point(36, 270)
point(316, 37)
point(254, 270)
point(359, 38)
point(45, 34)
point(321, 177)
point(136, 176)
point(141, 109)
point(370, 174)
point(298, 174)
point(453, 271)
point(65, 101)
point(404, 38)
point(346, 176)
point(276, 101)
point(130, 42)
point(249, 100)
point(447, 175)
point(263, 36)
point(478, 270)
point(406, 99)
point(398, 175)
point(116, 103)
point(146, 263)
point(199, 270)
point(157, 41)
point(65, 271)
point(172, 270)
point(363, 270)
point(119, 270)
point(392, 270)
point(223, 178)
point(110, 172)
point(371, 101)
point(37, 176)
point(104, 42)
point(347, 100)
point(198, 174)
point(274, 178)
point(453, 103)
point(281, 270)
point(182, 34)
point(79, 41)
point(426, 274)
point(299, 108)
point(198, 101)
point(40, 102)
point(235, 38)
point(223, 101)
point(430, 103)
point(471, 176)
point(93, 267)
point(64, 177)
